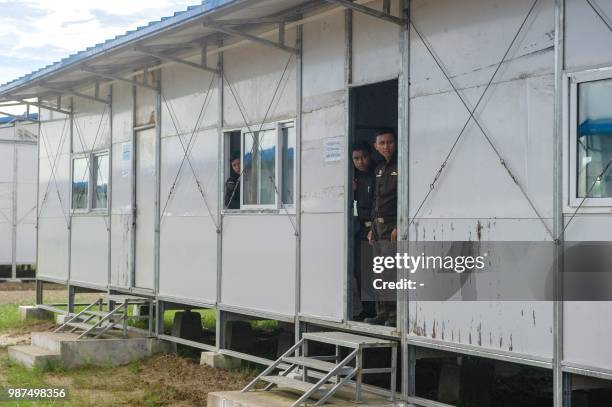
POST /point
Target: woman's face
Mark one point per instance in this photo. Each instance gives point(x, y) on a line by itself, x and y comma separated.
point(236, 165)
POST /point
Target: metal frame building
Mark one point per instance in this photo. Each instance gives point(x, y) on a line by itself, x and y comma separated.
point(19, 163)
point(492, 80)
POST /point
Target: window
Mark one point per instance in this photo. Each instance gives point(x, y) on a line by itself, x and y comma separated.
point(90, 170)
point(267, 176)
point(100, 181)
point(590, 138)
point(594, 141)
point(80, 183)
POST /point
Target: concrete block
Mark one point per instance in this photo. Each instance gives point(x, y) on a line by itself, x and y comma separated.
point(187, 325)
point(141, 310)
point(52, 341)
point(239, 336)
point(34, 357)
point(60, 318)
point(109, 352)
point(220, 361)
point(64, 349)
point(449, 384)
point(30, 312)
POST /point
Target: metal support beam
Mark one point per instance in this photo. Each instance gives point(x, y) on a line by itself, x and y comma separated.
point(408, 353)
point(166, 57)
point(18, 117)
point(117, 78)
point(44, 106)
point(74, 93)
point(369, 11)
point(257, 20)
point(238, 33)
point(558, 220)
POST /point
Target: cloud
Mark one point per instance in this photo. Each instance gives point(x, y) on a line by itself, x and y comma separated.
point(36, 33)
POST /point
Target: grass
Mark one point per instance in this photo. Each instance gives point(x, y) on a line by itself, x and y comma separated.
point(9, 316)
point(159, 380)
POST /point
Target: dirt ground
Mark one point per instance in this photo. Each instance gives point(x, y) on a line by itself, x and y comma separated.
point(161, 380)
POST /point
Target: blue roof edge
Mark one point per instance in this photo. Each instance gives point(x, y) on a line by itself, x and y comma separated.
point(154, 27)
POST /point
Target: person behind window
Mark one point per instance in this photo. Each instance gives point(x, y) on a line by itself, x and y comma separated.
point(232, 185)
point(363, 192)
point(384, 217)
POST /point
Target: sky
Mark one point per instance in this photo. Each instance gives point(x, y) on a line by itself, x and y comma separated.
point(36, 33)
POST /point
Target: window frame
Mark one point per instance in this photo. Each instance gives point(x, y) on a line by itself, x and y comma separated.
point(571, 82)
point(93, 175)
point(281, 146)
point(277, 206)
point(90, 210)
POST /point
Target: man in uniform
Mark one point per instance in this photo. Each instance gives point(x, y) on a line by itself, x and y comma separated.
point(384, 218)
point(363, 192)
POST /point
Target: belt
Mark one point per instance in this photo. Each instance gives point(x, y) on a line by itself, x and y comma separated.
point(382, 220)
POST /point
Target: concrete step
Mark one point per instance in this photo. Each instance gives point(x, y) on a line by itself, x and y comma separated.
point(287, 382)
point(52, 341)
point(34, 356)
point(316, 364)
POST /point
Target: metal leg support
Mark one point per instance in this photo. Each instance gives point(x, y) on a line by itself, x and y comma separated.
point(359, 379)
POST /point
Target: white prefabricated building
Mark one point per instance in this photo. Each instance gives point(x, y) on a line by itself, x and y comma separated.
point(18, 169)
point(491, 97)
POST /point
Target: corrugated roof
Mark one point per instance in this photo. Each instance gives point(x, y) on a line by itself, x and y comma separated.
point(151, 28)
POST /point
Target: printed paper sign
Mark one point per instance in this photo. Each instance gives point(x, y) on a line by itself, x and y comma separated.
point(332, 149)
point(126, 159)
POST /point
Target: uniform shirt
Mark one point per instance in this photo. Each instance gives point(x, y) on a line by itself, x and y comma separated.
point(385, 191)
point(232, 192)
point(364, 194)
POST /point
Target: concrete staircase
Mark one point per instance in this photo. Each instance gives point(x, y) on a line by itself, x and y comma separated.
point(66, 350)
point(44, 352)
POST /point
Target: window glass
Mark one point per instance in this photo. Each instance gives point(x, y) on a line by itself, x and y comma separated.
point(594, 141)
point(100, 179)
point(80, 183)
point(259, 161)
point(287, 165)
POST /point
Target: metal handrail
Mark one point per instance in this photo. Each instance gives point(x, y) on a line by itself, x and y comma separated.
point(102, 320)
point(78, 315)
point(273, 365)
point(325, 378)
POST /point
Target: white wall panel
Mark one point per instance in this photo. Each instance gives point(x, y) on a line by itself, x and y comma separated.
point(123, 102)
point(322, 182)
point(188, 258)
point(26, 243)
point(254, 73)
point(6, 231)
point(89, 252)
point(91, 126)
point(186, 199)
point(587, 39)
point(52, 248)
point(121, 249)
point(322, 266)
point(323, 56)
point(376, 52)
point(259, 263)
point(185, 90)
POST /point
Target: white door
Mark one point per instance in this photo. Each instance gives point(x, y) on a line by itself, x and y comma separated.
point(144, 256)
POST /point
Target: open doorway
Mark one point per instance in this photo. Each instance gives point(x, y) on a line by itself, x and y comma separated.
point(373, 110)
